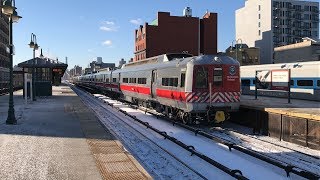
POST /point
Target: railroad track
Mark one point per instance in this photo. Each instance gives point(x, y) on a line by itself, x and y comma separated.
point(231, 145)
point(229, 141)
point(232, 172)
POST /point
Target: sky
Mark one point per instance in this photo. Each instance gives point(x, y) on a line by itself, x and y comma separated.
point(85, 29)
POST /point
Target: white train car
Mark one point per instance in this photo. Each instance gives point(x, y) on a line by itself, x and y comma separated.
point(305, 79)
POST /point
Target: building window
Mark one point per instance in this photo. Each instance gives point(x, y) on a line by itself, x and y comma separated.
point(259, 8)
point(259, 24)
point(259, 16)
point(259, 33)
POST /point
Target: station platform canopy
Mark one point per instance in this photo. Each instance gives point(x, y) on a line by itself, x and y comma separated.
point(47, 71)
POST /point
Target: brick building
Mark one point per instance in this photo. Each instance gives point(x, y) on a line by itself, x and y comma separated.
point(177, 34)
point(4, 55)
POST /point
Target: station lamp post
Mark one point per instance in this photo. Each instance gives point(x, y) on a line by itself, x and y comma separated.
point(237, 48)
point(8, 8)
point(34, 45)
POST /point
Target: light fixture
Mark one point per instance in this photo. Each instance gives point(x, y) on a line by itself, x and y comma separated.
point(7, 7)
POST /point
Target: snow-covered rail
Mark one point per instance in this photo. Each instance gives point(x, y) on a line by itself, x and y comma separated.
point(249, 166)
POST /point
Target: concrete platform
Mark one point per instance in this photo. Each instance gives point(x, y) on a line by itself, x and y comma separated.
point(297, 122)
point(59, 138)
point(297, 108)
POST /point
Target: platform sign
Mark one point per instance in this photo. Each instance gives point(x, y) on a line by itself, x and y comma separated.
point(273, 80)
point(280, 79)
point(263, 79)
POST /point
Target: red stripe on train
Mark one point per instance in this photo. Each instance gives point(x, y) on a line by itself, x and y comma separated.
point(136, 89)
point(176, 95)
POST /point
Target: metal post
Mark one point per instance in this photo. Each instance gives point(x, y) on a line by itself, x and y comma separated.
point(33, 76)
point(237, 51)
point(255, 85)
point(210, 91)
point(25, 88)
point(289, 87)
point(11, 119)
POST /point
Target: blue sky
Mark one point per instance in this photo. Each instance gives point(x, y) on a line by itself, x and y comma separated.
point(84, 29)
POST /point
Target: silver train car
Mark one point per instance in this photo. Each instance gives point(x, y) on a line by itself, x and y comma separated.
point(190, 89)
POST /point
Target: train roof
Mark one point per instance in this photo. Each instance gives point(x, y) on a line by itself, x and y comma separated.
point(172, 60)
point(161, 62)
point(283, 65)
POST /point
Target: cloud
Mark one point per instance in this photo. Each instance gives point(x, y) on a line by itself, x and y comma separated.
point(108, 29)
point(108, 22)
point(107, 43)
point(136, 21)
point(108, 26)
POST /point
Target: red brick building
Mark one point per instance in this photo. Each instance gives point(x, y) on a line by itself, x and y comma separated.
point(177, 34)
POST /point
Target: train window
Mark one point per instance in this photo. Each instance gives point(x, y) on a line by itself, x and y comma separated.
point(217, 76)
point(125, 80)
point(107, 80)
point(318, 83)
point(201, 77)
point(165, 81)
point(175, 82)
point(305, 83)
point(291, 82)
point(133, 80)
point(245, 82)
point(170, 82)
point(183, 79)
point(142, 80)
point(114, 79)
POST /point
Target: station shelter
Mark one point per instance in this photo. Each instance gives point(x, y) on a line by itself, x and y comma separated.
point(48, 73)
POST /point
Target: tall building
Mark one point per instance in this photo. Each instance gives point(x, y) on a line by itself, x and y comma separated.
point(96, 66)
point(177, 34)
point(4, 55)
point(308, 50)
point(272, 23)
point(121, 62)
point(99, 60)
point(76, 71)
point(244, 54)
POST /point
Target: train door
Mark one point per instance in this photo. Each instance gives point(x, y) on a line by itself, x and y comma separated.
point(119, 82)
point(153, 83)
point(217, 79)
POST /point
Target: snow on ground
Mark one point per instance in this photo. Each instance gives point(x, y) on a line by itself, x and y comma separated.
point(250, 167)
point(271, 147)
point(159, 163)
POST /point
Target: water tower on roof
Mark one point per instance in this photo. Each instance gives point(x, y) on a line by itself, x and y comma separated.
point(187, 12)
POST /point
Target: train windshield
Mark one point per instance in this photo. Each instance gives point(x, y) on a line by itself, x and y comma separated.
point(201, 77)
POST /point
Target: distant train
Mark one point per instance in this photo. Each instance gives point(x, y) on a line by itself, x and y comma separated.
point(305, 79)
point(190, 89)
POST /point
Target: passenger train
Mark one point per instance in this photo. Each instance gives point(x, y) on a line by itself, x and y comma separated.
point(189, 88)
point(305, 79)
